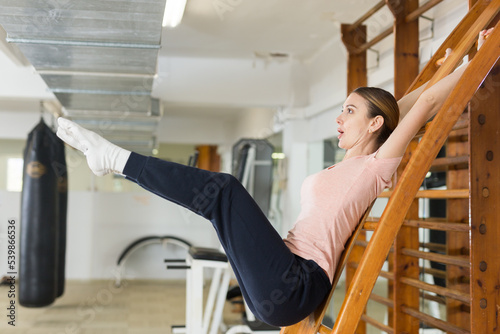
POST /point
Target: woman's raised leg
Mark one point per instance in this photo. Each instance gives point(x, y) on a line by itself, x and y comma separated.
point(279, 287)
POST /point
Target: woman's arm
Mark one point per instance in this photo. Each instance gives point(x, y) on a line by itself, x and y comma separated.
point(407, 101)
point(426, 106)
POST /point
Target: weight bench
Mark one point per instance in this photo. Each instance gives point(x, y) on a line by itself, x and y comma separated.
point(197, 319)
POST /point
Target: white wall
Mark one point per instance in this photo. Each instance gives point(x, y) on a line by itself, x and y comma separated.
point(17, 124)
point(236, 82)
point(21, 81)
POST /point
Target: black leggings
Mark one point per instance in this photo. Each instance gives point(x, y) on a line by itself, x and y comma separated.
point(279, 287)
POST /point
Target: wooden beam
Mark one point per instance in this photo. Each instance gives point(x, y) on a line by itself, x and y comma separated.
point(406, 44)
point(357, 252)
point(406, 68)
point(485, 209)
point(208, 158)
point(457, 241)
point(356, 61)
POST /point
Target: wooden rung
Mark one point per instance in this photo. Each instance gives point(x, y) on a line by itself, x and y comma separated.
point(462, 134)
point(375, 40)
point(422, 9)
point(432, 246)
point(370, 226)
point(377, 324)
point(438, 225)
point(384, 274)
point(434, 224)
point(448, 193)
point(324, 329)
point(382, 300)
point(364, 243)
point(366, 16)
point(435, 298)
point(447, 163)
point(434, 272)
point(387, 274)
point(462, 123)
point(461, 261)
point(437, 323)
point(361, 243)
point(447, 292)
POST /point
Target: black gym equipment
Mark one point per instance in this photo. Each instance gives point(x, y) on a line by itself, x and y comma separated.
point(43, 219)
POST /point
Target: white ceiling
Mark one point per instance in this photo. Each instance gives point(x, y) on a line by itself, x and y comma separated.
point(246, 30)
point(239, 28)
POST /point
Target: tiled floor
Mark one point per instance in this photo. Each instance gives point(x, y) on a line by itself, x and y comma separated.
point(138, 307)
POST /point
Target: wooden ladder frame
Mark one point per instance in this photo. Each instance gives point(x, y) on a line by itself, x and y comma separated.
point(461, 40)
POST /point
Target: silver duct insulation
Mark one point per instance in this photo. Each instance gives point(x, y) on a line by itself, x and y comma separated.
point(98, 57)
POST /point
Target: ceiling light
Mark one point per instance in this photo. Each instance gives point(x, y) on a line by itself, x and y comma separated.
point(174, 10)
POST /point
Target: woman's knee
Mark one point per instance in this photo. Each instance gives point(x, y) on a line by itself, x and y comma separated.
point(214, 191)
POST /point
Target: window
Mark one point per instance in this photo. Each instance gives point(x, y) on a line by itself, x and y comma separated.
point(14, 174)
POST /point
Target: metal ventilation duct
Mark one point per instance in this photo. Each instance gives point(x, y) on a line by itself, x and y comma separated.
point(99, 58)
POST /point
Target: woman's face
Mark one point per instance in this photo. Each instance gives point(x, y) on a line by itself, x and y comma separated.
point(353, 123)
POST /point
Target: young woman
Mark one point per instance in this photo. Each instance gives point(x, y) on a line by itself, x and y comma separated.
point(285, 280)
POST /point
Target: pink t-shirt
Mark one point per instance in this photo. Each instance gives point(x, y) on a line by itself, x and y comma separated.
point(332, 203)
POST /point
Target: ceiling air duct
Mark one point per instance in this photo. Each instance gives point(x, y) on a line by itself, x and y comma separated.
point(99, 58)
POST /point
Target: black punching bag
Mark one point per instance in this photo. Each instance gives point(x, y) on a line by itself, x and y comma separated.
point(59, 166)
point(38, 265)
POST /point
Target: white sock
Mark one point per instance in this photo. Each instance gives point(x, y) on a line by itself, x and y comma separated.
point(103, 157)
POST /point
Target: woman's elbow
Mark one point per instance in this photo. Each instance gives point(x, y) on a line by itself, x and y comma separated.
point(430, 103)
